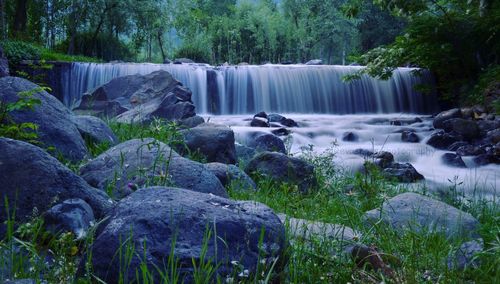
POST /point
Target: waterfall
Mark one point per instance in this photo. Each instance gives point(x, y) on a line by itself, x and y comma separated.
point(272, 88)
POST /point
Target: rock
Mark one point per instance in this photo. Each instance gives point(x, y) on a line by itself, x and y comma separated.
point(262, 141)
point(417, 212)
point(183, 61)
point(402, 172)
point(314, 231)
point(315, 62)
point(445, 115)
point(153, 219)
point(259, 122)
point(55, 128)
point(363, 152)
point(405, 121)
point(288, 122)
point(456, 145)
point(410, 137)
point(213, 141)
point(273, 117)
point(4, 65)
point(493, 136)
point(191, 122)
point(30, 178)
point(470, 150)
point(141, 98)
point(147, 162)
point(281, 132)
point(453, 160)
point(72, 215)
point(261, 115)
point(94, 129)
point(383, 159)
point(485, 159)
point(244, 153)
point(468, 129)
point(282, 168)
point(442, 140)
point(231, 175)
point(350, 137)
point(464, 257)
point(487, 125)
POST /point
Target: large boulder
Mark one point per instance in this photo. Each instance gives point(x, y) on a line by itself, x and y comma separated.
point(213, 141)
point(137, 163)
point(201, 227)
point(141, 98)
point(282, 168)
point(31, 179)
point(55, 127)
point(417, 212)
point(94, 129)
point(446, 115)
point(72, 215)
point(231, 175)
point(4, 64)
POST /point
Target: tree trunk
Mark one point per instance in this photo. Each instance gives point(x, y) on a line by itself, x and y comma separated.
point(3, 25)
point(20, 18)
point(160, 42)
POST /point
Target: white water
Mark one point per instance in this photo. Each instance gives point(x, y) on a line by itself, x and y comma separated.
point(375, 134)
point(271, 88)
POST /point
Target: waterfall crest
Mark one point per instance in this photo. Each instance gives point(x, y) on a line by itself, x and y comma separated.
point(272, 88)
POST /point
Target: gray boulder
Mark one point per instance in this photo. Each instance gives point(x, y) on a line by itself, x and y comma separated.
point(465, 256)
point(244, 153)
point(213, 141)
point(30, 178)
point(470, 150)
point(55, 127)
point(446, 115)
point(282, 168)
point(141, 98)
point(4, 64)
point(259, 122)
point(136, 163)
point(72, 215)
point(231, 175)
point(191, 122)
point(94, 129)
point(151, 220)
point(417, 212)
point(493, 136)
point(383, 159)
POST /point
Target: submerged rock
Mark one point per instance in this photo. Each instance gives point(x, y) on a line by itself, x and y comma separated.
point(402, 172)
point(453, 160)
point(350, 137)
point(32, 180)
point(281, 168)
point(410, 137)
point(54, 120)
point(147, 162)
point(152, 220)
point(420, 213)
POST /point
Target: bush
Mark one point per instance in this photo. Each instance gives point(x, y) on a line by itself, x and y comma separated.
point(197, 50)
point(15, 51)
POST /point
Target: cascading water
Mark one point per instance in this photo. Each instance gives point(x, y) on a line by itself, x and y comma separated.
point(272, 88)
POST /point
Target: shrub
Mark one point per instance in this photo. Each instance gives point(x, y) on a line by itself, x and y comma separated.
point(15, 51)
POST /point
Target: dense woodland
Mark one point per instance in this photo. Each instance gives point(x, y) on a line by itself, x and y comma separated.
point(457, 39)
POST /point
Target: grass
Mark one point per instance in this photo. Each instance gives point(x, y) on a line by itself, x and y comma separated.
point(416, 257)
point(16, 51)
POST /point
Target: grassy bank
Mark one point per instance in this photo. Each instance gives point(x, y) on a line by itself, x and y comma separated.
point(16, 51)
point(340, 198)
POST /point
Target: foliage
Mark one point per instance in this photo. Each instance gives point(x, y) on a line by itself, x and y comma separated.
point(25, 131)
point(16, 51)
point(454, 39)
